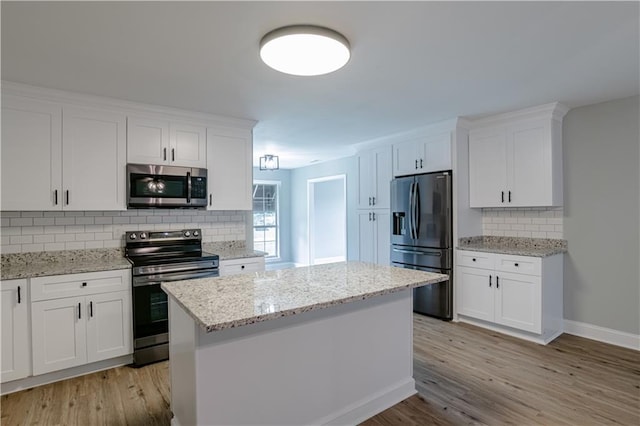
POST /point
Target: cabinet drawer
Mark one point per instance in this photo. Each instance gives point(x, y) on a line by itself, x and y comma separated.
point(475, 259)
point(519, 264)
point(239, 266)
point(55, 287)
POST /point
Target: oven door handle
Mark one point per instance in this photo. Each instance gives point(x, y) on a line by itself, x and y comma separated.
point(147, 280)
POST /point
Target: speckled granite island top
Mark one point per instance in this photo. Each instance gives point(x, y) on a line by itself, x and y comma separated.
point(237, 300)
point(536, 247)
point(42, 264)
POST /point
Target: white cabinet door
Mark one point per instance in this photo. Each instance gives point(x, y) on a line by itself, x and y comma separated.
point(230, 173)
point(147, 141)
point(405, 158)
point(240, 266)
point(16, 351)
point(529, 165)
point(188, 145)
point(109, 325)
point(436, 153)
point(518, 301)
point(381, 176)
point(382, 225)
point(366, 184)
point(366, 237)
point(475, 293)
point(31, 154)
point(488, 168)
point(94, 159)
point(58, 334)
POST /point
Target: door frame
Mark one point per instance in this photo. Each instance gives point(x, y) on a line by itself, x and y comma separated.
point(311, 213)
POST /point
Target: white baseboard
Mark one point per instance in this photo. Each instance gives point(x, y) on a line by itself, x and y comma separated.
point(602, 334)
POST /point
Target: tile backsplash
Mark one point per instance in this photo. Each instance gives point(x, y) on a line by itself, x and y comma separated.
point(48, 231)
point(523, 222)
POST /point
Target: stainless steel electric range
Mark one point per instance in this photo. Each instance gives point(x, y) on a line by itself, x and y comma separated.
point(159, 256)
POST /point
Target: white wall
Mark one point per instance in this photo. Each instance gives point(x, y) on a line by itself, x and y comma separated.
point(299, 205)
point(601, 215)
point(284, 177)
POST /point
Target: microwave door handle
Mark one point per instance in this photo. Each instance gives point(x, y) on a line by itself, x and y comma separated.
point(188, 187)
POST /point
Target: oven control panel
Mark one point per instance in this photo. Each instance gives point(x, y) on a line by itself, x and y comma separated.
point(185, 234)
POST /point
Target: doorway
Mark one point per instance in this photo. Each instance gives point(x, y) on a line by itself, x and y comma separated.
point(327, 219)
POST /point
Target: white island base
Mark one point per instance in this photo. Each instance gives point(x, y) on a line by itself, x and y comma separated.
point(339, 365)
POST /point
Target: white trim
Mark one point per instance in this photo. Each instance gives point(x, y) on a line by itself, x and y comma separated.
point(541, 339)
point(554, 111)
point(602, 334)
point(56, 376)
point(278, 184)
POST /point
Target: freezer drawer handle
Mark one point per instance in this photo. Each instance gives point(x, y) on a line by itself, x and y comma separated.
point(426, 253)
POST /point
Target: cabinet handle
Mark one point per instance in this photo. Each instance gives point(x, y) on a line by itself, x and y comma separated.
point(79, 311)
point(164, 154)
point(84, 284)
point(474, 259)
point(242, 267)
point(67, 196)
point(19, 296)
point(374, 216)
point(91, 309)
point(373, 201)
point(210, 200)
point(369, 216)
point(421, 163)
point(55, 197)
point(173, 154)
point(416, 164)
point(509, 196)
point(515, 264)
point(497, 281)
point(369, 200)
point(489, 280)
point(502, 196)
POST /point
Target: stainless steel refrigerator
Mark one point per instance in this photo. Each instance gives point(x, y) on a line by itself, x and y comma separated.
point(422, 236)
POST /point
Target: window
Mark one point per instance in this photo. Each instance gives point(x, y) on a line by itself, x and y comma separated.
point(265, 218)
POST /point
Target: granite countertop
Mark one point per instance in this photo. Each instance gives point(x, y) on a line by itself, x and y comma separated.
point(535, 247)
point(39, 264)
point(228, 250)
point(238, 300)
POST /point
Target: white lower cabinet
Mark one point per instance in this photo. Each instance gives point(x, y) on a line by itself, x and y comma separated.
point(16, 351)
point(240, 266)
point(519, 293)
point(80, 321)
point(374, 236)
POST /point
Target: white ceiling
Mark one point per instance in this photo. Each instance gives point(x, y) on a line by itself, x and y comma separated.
point(413, 63)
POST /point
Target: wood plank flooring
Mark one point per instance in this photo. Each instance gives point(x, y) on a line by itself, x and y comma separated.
point(464, 375)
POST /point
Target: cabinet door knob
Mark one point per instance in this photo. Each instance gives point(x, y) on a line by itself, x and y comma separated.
point(84, 284)
point(490, 281)
point(516, 265)
point(242, 267)
point(474, 259)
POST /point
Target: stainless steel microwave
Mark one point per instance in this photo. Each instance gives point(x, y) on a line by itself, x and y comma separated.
point(151, 185)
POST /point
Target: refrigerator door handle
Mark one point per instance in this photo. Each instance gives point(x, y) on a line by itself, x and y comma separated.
point(425, 253)
point(416, 207)
point(411, 218)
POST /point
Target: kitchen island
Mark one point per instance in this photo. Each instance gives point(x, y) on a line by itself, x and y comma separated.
point(325, 344)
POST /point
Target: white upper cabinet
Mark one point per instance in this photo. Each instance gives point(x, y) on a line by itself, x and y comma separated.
point(229, 169)
point(159, 141)
point(422, 155)
point(31, 154)
point(374, 178)
point(515, 160)
point(94, 159)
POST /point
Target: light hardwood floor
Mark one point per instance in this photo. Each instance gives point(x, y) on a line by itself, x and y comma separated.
point(464, 375)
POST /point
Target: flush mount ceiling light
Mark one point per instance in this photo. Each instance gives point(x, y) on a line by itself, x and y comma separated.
point(269, 162)
point(304, 50)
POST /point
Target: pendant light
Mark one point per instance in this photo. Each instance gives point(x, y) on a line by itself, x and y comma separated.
point(304, 50)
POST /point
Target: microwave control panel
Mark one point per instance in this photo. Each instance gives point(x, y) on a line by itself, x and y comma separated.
point(198, 187)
